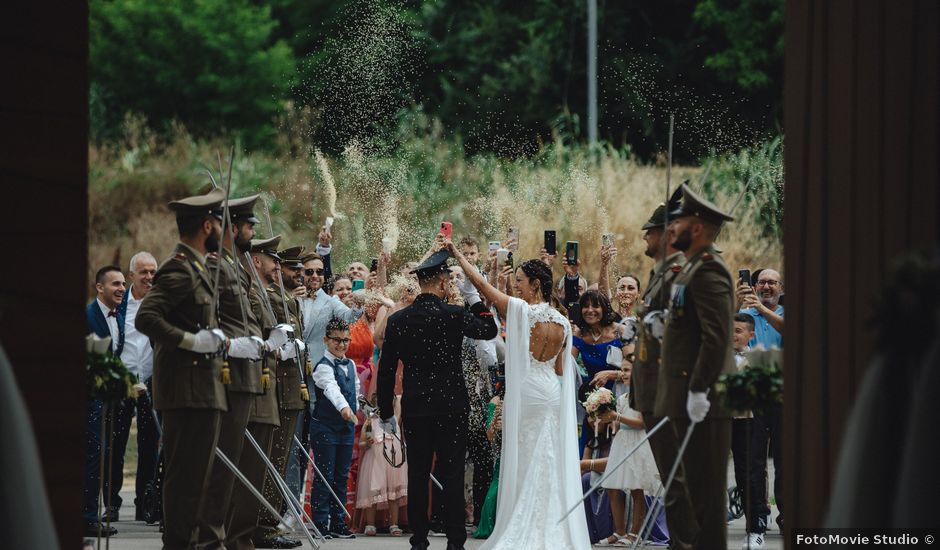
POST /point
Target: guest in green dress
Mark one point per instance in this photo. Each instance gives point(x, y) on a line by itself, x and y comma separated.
point(494, 430)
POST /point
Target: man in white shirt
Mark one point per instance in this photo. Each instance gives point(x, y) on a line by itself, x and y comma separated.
point(137, 355)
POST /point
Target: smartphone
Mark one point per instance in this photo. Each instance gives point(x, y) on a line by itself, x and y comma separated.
point(358, 284)
point(513, 234)
point(375, 265)
point(494, 246)
point(607, 239)
point(509, 259)
point(502, 255)
point(447, 229)
point(329, 222)
point(744, 275)
point(571, 252)
point(549, 245)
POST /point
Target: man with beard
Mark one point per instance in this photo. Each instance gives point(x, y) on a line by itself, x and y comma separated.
point(679, 515)
point(291, 388)
point(696, 351)
point(241, 371)
point(177, 316)
point(137, 356)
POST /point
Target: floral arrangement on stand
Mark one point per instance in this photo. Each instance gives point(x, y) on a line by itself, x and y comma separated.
point(107, 378)
point(756, 388)
point(598, 402)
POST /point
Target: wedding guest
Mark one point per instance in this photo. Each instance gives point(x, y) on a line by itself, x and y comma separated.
point(381, 484)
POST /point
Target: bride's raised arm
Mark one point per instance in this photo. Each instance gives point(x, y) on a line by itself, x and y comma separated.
point(494, 296)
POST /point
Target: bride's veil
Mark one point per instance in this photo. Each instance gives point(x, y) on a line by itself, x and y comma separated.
point(510, 470)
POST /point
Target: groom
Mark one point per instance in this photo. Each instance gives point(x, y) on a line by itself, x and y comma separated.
point(427, 337)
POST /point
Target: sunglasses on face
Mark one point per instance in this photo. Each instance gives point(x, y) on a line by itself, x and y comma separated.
point(312, 272)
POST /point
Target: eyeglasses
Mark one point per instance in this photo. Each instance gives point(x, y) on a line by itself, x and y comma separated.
point(767, 283)
point(340, 340)
point(312, 272)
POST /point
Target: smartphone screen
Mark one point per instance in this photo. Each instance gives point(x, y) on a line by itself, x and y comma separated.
point(744, 275)
point(494, 246)
point(447, 229)
point(571, 252)
point(549, 245)
point(513, 235)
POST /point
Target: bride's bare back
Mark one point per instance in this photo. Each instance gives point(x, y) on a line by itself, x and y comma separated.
point(547, 341)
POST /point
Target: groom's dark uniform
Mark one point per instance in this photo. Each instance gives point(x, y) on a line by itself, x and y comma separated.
point(427, 337)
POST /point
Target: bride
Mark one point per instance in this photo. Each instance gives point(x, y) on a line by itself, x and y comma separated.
point(539, 476)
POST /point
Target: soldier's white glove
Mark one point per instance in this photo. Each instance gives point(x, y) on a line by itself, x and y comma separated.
point(389, 425)
point(614, 357)
point(697, 406)
point(245, 347)
point(470, 293)
point(655, 322)
point(279, 336)
point(291, 348)
point(628, 332)
point(204, 341)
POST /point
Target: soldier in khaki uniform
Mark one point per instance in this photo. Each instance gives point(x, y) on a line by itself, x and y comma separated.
point(679, 514)
point(264, 418)
point(241, 376)
point(697, 349)
point(291, 389)
point(177, 316)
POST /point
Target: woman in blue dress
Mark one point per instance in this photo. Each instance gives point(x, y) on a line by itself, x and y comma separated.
point(596, 331)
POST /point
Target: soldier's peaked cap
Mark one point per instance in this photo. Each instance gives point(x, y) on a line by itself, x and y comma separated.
point(291, 256)
point(694, 205)
point(436, 263)
point(267, 246)
point(658, 218)
point(199, 205)
point(242, 210)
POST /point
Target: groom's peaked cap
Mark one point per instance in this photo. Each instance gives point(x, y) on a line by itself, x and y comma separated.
point(434, 265)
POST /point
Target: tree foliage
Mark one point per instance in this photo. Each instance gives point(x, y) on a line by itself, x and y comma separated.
point(209, 64)
point(503, 77)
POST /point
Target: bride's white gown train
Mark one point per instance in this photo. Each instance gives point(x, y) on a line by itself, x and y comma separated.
point(539, 477)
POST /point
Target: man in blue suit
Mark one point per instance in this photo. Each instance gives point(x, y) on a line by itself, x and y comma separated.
point(105, 319)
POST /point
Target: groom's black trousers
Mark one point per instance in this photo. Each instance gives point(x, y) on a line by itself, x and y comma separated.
point(445, 436)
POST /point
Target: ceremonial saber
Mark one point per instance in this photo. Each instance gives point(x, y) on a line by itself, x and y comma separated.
point(609, 471)
point(436, 482)
point(672, 474)
point(292, 504)
point(323, 477)
point(241, 477)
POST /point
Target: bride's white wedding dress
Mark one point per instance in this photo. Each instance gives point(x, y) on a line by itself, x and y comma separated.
point(539, 476)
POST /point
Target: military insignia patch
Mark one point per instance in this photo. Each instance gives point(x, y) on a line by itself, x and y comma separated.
point(706, 257)
point(677, 300)
point(179, 256)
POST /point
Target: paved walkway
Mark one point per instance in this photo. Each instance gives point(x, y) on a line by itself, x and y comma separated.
point(135, 535)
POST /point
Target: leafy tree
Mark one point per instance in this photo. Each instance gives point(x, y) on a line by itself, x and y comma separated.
point(210, 64)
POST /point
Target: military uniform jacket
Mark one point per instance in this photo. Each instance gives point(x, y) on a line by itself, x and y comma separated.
point(179, 302)
point(289, 371)
point(697, 347)
point(645, 375)
point(234, 284)
point(427, 337)
point(264, 409)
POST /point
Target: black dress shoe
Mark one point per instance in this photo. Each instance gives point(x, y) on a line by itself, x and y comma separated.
point(277, 541)
point(110, 514)
point(341, 532)
point(454, 547)
point(92, 529)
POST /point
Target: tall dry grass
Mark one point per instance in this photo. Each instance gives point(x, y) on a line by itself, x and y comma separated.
point(579, 193)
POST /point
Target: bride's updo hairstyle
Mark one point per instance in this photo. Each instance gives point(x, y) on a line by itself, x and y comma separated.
point(538, 270)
